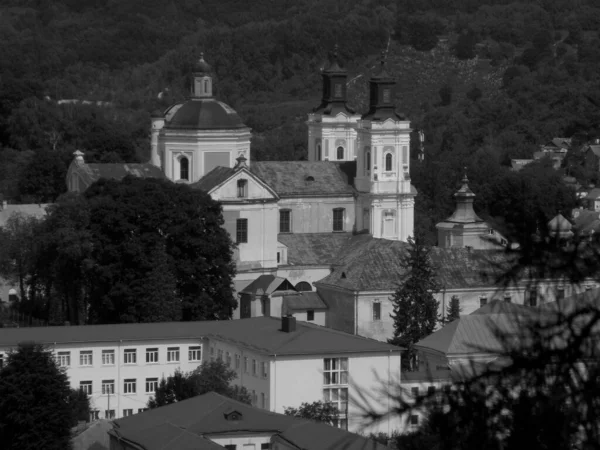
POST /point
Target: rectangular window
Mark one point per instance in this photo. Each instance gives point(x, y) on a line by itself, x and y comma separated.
point(85, 358)
point(338, 219)
point(109, 413)
point(237, 361)
point(560, 294)
point(94, 415)
point(482, 301)
point(338, 397)
point(508, 299)
point(129, 386)
point(220, 355)
point(335, 371)
point(127, 412)
point(254, 398)
point(141, 410)
point(245, 364)
point(241, 231)
point(108, 387)
point(310, 315)
point(254, 367)
point(151, 355)
point(195, 353)
point(173, 354)
point(376, 310)
point(63, 359)
point(533, 297)
point(151, 385)
point(278, 257)
point(263, 400)
point(228, 359)
point(265, 371)
point(242, 186)
point(108, 357)
point(284, 221)
point(212, 353)
point(414, 419)
point(130, 356)
point(86, 386)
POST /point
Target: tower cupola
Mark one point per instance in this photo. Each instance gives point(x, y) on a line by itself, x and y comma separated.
point(464, 212)
point(334, 88)
point(202, 85)
point(381, 94)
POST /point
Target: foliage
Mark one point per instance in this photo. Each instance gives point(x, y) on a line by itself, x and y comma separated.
point(318, 411)
point(210, 376)
point(35, 401)
point(79, 403)
point(415, 307)
point(453, 310)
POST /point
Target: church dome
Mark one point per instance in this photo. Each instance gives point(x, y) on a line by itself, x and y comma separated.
point(205, 114)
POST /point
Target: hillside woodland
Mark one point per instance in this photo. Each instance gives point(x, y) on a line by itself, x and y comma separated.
point(486, 81)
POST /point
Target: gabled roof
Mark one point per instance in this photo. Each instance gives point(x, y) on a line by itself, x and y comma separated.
point(30, 210)
point(367, 264)
point(199, 418)
point(304, 178)
point(267, 285)
point(587, 222)
point(313, 248)
point(261, 333)
point(595, 149)
point(213, 178)
point(115, 171)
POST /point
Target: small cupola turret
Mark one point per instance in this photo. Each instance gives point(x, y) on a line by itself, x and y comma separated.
point(202, 86)
point(334, 87)
point(464, 212)
point(381, 94)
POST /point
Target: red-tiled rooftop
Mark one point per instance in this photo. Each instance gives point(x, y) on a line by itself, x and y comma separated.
point(261, 333)
point(207, 414)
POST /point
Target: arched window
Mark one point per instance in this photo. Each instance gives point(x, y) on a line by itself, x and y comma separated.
point(340, 153)
point(303, 286)
point(184, 169)
point(388, 162)
point(318, 152)
point(368, 161)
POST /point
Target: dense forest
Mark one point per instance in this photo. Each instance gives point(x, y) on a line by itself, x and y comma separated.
point(486, 80)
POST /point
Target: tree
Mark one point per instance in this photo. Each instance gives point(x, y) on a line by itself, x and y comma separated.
point(415, 308)
point(318, 411)
point(445, 95)
point(35, 401)
point(453, 310)
point(211, 376)
point(79, 403)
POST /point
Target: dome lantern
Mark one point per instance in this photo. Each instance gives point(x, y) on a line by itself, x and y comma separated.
point(202, 87)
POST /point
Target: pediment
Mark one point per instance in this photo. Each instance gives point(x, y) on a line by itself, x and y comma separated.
point(255, 190)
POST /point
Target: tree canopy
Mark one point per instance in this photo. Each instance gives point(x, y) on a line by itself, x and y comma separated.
point(36, 402)
point(210, 376)
point(318, 411)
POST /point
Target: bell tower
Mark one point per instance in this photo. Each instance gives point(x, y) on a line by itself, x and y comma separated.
point(202, 84)
point(332, 125)
point(386, 196)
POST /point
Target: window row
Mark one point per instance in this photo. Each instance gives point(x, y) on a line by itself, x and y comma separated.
point(235, 361)
point(285, 220)
point(110, 413)
point(130, 356)
point(130, 386)
point(264, 446)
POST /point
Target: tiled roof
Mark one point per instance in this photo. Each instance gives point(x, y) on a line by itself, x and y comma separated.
point(303, 300)
point(293, 178)
point(30, 210)
point(267, 285)
point(314, 248)
point(115, 171)
point(502, 307)
point(261, 333)
point(367, 264)
point(587, 221)
point(205, 415)
point(213, 178)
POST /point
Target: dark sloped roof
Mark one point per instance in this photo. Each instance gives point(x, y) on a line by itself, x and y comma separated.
point(314, 248)
point(502, 307)
point(116, 171)
point(292, 178)
point(261, 333)
point(367, 264)
point(267, 285)
point(303, 300)
point(205, 415)
point(213, 178)
point(205, 114)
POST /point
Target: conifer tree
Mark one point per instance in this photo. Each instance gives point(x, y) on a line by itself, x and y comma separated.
point(452, 311)
point(415, 307)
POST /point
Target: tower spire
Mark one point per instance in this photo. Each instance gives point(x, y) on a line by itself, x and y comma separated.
point(334, 87)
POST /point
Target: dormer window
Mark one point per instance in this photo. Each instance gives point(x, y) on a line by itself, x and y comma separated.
point(184, 169)
point(233, 416)
point(242, 188)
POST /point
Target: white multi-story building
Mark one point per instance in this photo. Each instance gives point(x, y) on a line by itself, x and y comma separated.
point(280, 362)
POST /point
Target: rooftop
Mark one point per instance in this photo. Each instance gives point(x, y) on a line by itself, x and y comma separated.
point(260, 333)
point(302, 178)
point(191, 423)
point(30, 210)
point(213, 178)
point(302, 301)
point(204, 114)
point(313, 248)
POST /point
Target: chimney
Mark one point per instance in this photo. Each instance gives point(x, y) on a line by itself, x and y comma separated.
point(288, 324)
